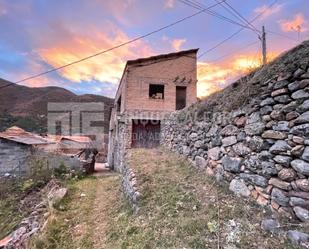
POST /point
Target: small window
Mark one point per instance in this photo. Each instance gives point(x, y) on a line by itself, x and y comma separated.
point(156, 91)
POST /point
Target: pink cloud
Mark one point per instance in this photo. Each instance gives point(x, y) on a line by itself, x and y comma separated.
point(298, 23)
point(169, 4)
point(268, 11)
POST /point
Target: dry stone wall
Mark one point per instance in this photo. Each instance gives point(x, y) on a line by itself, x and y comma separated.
point(261, 149)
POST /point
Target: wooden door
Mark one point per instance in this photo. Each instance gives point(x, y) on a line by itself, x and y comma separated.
point(181, 97)
point(145, 133)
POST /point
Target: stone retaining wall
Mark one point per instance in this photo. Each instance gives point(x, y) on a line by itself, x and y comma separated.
point(129, 186)
point(262, 149)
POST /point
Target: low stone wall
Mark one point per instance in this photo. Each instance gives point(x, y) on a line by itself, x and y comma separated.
point(129, 186)
point(262, 149)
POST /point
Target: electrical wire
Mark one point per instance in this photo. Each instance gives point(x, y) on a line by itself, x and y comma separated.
point(212, 13)
point(115, 47)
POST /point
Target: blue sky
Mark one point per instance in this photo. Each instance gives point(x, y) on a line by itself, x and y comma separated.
point(37, 35)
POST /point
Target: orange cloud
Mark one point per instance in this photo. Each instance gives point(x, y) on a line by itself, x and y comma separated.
point(177, 43)
point(107, 67)
point(268, 11)
point(298, 23)
point(213, 77)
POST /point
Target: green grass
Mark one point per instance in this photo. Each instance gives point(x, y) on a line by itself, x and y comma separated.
point(183, 208)
point(180, 208)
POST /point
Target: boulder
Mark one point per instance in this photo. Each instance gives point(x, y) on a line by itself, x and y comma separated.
point(266, 110)
point(229, 130)
point(239, 187)
point(305, 155)
point(240, 121)
point(231, 164)
point(297, 150)
point(287, 174)
point(280, 147)
point(297, 238)
point(302, 184)
point(280, 197)
point(283, 99)
point(283, 160)
point(301, 213)
point(200, 162)
point(274, 135)
point(279, 92)
point(268, 169)
point(296, 85)
point(301, 130)
point(267, 101)
point(291, 115)
point(255, 128)
point(298, 72)
point(228, 141)
point(279, 184)
point(300, 94)
point(281, 84)
point(277, 115)
point(214, 153)
point(304, 106)
point(281, 126)
point(297, 201)
point(301, 166)
point(254, 179)
point(303, 118)
point(240, 149)
point(270, 225)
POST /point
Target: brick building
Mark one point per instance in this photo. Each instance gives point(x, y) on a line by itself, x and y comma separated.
point(149, 89)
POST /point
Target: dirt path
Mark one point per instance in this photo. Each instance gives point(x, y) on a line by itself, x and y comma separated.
point(82, 219)
point(180, 208)
point(107, 194)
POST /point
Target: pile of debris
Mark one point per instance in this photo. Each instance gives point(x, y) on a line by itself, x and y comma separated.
point(51, 194)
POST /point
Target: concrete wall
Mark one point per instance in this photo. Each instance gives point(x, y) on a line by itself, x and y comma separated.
point(15, 158)
point(261, 149)
point(13, 155)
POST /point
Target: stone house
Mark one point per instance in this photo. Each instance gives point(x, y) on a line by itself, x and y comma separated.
point(149, 89)
point(18, 148)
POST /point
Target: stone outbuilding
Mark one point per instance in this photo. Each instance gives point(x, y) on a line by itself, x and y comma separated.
point(149, 89)
point(16, 146)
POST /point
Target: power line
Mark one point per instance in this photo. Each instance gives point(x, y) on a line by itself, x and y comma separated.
point(231, 12)
point(199, 6)
point(115, 47)
point(226, 55)
point(282, 35)
point(240, 15)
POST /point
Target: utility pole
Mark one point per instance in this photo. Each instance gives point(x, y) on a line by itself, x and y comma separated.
point(263, 40)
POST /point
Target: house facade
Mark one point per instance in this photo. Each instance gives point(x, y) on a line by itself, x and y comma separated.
point(149, 89)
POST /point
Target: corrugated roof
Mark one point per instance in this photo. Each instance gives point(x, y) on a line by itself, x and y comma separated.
point(80, 139)
point(19, 135)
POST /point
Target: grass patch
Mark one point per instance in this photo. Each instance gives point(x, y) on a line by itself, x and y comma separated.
point(182, 208)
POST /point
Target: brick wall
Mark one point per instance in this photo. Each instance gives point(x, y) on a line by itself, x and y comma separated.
point(163, 72)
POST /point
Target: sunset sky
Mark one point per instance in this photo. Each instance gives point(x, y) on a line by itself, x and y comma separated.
point(37, 35)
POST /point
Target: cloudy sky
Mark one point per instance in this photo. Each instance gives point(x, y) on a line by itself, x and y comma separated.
point(38, 35)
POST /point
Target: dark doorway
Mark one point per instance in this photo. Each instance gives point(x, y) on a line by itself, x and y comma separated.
point(181, 97)
point(145, 133)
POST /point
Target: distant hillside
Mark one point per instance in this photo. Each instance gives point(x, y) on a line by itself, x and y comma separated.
point(27, 107)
